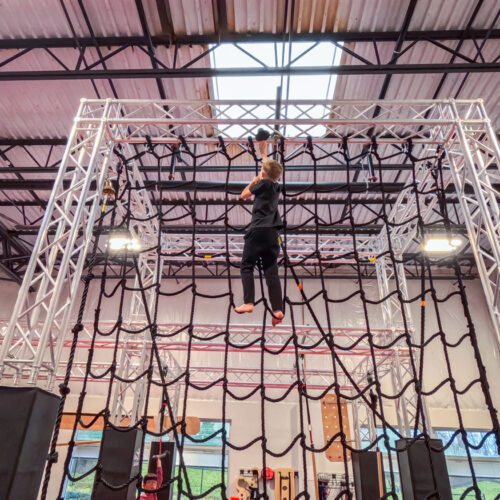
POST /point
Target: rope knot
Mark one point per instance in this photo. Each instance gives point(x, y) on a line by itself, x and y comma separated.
point(64, 390)
point(77, 328)
point(88, 277)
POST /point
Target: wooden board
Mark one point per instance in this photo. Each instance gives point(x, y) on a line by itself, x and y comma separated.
point(192, 425)
point(331, 426)
point(68, 422)
point(284, 484)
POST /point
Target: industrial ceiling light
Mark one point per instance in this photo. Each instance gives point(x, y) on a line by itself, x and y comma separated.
point(120, 240)
point(441, 244)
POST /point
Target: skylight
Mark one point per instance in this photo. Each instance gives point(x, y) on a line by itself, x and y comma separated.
point(255, 55)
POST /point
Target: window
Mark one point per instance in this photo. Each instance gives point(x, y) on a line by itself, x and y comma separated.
point(486, 463)
point(204, 460)
point(80, 490)
point(255, 55)
point(457, 448)
point(202, 479)
point(202, 456)
point(83, 459)
point(208, 428)
point(490, 487)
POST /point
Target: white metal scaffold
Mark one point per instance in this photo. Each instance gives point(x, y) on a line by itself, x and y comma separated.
point(33, 342)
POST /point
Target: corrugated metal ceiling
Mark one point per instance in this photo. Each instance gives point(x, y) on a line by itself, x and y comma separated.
point(45, 108)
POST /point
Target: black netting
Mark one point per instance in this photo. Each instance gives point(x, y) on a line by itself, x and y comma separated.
point(369, 392)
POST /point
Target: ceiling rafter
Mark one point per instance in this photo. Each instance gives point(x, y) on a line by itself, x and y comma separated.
point(207, 39)
point(189, 72)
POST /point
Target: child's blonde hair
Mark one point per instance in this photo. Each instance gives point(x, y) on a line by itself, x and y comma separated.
point(273, 170)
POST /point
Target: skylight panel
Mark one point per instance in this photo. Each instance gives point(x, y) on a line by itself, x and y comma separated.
point(303, 87)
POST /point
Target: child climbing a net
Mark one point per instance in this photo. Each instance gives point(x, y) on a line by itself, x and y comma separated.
point(153, 482)
point(262, 238)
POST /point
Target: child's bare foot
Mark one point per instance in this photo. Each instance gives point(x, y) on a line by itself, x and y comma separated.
point(277, 317)
point(244, 308)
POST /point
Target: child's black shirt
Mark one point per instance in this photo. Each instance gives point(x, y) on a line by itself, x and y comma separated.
point(265, 206)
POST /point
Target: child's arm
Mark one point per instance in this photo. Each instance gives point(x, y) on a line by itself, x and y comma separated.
point(159, 473)
point(263, 152)
point(246, 194)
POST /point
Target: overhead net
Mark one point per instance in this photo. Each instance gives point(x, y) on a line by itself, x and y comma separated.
point(357, 368)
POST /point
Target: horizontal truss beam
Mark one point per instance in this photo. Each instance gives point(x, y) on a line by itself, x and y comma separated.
point(203, 376)
point(206, 39)
point(207, 338)
point(352, 69)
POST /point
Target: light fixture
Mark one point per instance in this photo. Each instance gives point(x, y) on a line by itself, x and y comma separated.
point(441, 244)
point(120, 240)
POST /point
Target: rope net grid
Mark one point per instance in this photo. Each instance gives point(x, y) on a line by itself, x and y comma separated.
point(366, 391)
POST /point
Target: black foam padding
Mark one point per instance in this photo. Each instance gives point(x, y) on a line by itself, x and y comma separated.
point(416, 466)
point(368, 474)
point(27, 418)
point(120, 462)
point(167, 464)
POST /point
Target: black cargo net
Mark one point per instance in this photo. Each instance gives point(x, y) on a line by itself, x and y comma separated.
point(367, 392)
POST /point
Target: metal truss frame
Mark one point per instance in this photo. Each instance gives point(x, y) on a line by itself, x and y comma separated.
point(393, 242)
point(34, 338)
point(48, 313)
point(474, 154)
point(208, 339)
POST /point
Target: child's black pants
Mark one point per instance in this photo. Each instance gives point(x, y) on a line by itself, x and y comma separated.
point(262, 243)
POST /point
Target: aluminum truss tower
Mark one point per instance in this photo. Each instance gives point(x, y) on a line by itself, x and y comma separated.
point(33, 341)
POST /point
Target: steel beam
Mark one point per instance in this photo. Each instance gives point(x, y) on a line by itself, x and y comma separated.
point(352, 69)
point(224, 37)
point(14, 254)
point(221, 203)
point(237, 231)
point(27, 141)
point(230, 187)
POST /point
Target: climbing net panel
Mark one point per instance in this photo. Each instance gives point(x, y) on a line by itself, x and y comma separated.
point(379, 351)
point(365, 387)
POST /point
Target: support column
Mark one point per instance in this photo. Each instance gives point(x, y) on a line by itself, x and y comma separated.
point(36, 330)
point(474, 156)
